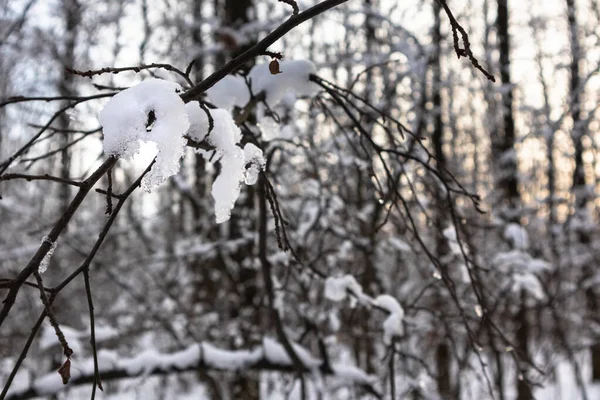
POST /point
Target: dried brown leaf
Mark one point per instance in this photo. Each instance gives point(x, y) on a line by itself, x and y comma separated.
point(274, 67)
point(65, 371)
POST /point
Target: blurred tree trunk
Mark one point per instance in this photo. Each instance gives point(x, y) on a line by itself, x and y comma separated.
point(201, 187)
point(71, 13)
point(503, 143)
point(443, 356)
point(579, 185)
point(369, 228)
point(577, 130)
point(245, 386)
point(522, 336)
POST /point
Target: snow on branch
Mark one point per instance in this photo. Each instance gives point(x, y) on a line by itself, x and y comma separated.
point(269, 356)
point(338, 288)
point(237, 164)
point(150, 111)
point(260, 48)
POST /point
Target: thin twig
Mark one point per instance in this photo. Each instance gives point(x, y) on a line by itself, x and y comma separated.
point(292, 4)
point(68, 352)
point(56, 231)
point(45, 177)
point(111, 70)
point(88, 292)
point(32, 335)
point(466, 51)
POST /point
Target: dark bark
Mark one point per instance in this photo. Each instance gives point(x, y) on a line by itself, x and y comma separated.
point(442, 354)
point(522, 339)
point(504, 141)
point(443, 359)
point(505, 153)
point(579, 184)
point(72, 17)
point(574, 93)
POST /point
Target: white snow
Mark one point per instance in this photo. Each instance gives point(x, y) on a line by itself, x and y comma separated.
point(218, 358)
point(48, 338)
point(255, 163)
point(392, 326)
point(237, 165)
point(104, 332)
point(399, 244)
point(478, 310)
point(351, 373)
point(226, 188)
point(198, 121)
point(452, 240)
point(336, 289)
point(144, 362)
point(49, 384)
point(334, 321)
point(528, 282)
point(194, 356)
point(520, 262)
point(229, 92)
point(276, 353)
point(294, 77)
point(390, 304)
point(522, 270)
point(46, 260)
point(124, 119)
point(106, 359)
point(226, 134)
point(75, 337)
point(517, 236)
point(185, 358)
point(268, 127)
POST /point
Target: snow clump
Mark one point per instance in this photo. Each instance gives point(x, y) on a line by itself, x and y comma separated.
point(151, 111)
point(237, 165)
point(294, 77)
point(231, 91)
point(392, 326)
point(336, 289)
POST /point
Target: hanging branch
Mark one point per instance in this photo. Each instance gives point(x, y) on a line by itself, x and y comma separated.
point(466, 51)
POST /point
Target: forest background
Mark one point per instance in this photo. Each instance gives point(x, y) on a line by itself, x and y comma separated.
point(424, 225)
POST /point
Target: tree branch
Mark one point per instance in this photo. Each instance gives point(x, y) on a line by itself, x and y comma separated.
point(53, 237)
point(271, 356)
point(260, 48)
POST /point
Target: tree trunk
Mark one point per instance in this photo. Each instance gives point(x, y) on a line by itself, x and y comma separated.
point(579, 184)
point(442, 354)
point(523, 388)
point(72, 16)
point(504, 142)
point(505, 154)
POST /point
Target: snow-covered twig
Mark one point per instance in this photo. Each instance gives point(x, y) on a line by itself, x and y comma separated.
point(259, 48)
point(270, 356)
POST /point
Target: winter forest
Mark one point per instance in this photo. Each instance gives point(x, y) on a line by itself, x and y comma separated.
point(299, 199)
